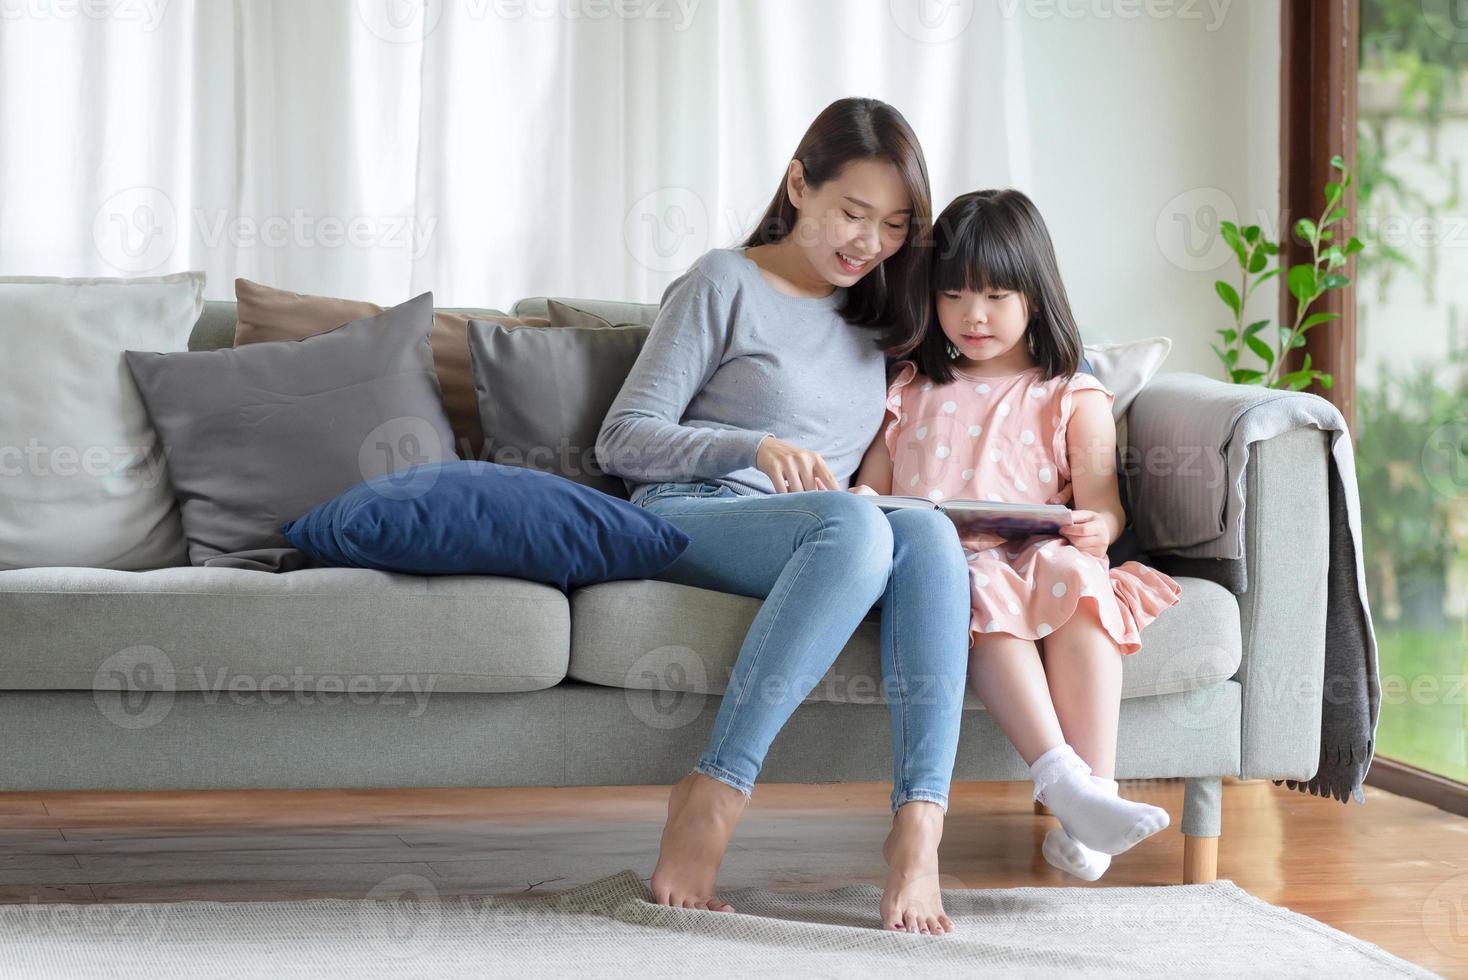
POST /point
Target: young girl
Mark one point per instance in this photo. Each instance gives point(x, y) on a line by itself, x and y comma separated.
point(991, 407)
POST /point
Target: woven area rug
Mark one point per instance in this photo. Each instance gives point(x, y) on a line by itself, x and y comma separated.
point(608, 928)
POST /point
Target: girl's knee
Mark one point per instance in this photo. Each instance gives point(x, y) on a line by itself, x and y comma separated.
point(1081, 627)
point(1001, 645)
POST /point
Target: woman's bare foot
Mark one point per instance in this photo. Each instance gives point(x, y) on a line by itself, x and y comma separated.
point(702, 813)
point(911, 902)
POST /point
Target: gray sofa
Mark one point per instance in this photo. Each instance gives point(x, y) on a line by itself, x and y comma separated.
point(192, 678)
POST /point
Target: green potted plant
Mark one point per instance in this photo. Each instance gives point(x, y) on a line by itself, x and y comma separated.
point(1306, 281)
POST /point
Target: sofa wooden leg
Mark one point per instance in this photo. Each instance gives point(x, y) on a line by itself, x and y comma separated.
point(1200, 860)
point(1202, 825)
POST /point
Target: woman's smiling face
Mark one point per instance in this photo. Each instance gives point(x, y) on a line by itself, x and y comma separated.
point(853, 221)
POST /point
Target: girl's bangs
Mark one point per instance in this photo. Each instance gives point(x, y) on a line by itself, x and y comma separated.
point(976, 258)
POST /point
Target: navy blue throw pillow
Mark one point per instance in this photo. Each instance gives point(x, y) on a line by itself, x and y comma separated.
point(474, 517)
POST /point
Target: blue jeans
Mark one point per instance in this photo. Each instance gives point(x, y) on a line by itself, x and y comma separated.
point(821, 560)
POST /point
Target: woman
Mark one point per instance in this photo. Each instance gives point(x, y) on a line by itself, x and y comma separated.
point(760, 386)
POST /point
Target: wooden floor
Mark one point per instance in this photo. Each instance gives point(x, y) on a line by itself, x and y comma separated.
point(1394, 872)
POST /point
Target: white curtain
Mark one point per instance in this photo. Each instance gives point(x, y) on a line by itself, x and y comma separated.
point(483, 149)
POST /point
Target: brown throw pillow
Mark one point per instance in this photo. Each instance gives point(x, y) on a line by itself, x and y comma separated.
point(267, 314)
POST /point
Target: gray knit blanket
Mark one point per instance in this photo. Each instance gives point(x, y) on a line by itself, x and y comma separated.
point(1193, 524)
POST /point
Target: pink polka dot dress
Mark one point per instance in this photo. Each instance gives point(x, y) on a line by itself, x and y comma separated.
point(1004, 439)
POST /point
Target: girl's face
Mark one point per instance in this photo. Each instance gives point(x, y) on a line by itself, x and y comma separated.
point(853, 221)
point(987, 326)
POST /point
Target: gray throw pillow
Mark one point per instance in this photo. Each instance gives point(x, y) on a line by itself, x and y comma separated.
point(544, 392)
point(255, 436)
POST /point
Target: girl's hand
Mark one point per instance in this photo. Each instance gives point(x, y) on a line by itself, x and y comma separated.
point(864, 490)
point(1087, 532)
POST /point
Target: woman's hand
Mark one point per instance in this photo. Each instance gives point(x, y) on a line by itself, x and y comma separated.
point(792, 469)
point(863, 490)
point(1088, 532)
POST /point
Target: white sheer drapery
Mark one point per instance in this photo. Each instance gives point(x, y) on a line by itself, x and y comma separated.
point(484, 149)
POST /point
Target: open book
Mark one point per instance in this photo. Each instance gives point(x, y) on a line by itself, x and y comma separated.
point(988, 516)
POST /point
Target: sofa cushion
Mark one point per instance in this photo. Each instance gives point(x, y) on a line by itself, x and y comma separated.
point(258, 435)
point(652, 635)
point(213, 629)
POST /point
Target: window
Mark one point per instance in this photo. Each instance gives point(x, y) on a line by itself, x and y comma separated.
point(1412, 373)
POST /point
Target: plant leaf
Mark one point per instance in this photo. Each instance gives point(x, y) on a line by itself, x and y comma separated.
point(1228, 295)
point(1302, 282)
point(1315, 318)
point(1230, 233)
point(1306, 229)
point(1262, 349)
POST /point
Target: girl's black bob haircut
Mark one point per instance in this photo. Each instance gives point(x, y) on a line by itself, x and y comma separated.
point(996, 239)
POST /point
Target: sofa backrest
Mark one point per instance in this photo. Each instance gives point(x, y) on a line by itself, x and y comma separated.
point(215, 326)
point(614, 312)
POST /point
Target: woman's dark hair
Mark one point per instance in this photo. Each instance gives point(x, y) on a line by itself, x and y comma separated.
point(996, 239)
point(894, 295)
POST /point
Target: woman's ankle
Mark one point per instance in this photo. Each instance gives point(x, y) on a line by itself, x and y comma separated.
point(720, 794)
point(926, 811)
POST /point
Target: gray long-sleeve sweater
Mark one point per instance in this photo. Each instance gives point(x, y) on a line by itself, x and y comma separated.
point(731, 359)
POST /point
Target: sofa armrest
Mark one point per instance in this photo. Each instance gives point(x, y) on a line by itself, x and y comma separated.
point(1282, 614)
point(1286, 555)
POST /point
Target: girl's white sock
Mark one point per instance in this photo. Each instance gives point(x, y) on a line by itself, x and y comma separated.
point(1070, 855)
point(1089, 815)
